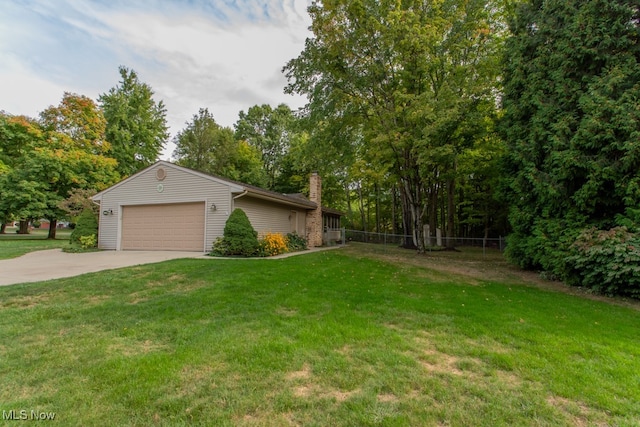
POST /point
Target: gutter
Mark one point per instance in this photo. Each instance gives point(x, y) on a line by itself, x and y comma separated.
point(240, 195)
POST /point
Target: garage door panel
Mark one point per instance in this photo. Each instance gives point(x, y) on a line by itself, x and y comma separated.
point(178, 226)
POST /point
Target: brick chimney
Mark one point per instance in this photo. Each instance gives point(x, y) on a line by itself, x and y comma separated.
point(314, 217)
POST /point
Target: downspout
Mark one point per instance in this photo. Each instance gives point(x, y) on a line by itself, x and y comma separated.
point(233, 199)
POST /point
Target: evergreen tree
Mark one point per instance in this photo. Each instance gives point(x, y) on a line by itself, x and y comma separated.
point(572, 123)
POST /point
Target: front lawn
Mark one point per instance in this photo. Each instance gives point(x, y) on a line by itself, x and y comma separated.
point(356, 336)
point(13, 245)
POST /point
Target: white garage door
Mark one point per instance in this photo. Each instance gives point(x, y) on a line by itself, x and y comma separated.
point(173, 227)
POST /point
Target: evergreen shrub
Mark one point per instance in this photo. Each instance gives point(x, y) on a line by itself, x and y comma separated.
point(240, 238)
point(87, 225)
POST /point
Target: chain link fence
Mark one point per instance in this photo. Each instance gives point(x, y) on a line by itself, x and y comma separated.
point(498, 243)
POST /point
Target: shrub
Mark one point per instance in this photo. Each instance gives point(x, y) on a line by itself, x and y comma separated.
point(239, 237)
point(87, 225)
point(88, 242)
point(295, 242)
point(607, 261)
point(273, 244)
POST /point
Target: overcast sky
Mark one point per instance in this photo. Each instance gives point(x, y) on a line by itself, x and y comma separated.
point(225, 55)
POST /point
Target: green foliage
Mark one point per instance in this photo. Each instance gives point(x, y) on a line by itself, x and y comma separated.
point(571, 91)
point(136, 123)
point(270, 132)
point(46, 161)
point(208, 147)
point(239, 238)
point(87, 225)
point(79, 118)
point(606, 261)
point(77, 201)
point(295, 242)
point(404, 88)
point(88, 242)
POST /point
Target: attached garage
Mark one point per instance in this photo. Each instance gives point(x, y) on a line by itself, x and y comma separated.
point(169, 207)
point(167, 227)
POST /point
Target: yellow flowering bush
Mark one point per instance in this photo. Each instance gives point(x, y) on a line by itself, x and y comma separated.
point(273, 244)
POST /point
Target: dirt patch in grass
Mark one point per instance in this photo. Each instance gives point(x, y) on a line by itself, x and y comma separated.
point(578, 413)
point(387, 398)
point(129, 348)
point(286, 312)
point(193, 378)
point(95, 299)
point(27, 301)
point(304, 373)
point(303, 385)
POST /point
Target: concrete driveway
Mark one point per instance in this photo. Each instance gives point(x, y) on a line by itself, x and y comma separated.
point(54, 264)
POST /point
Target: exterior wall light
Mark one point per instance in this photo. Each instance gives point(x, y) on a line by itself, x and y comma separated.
point(107, 212)
point(214, 207)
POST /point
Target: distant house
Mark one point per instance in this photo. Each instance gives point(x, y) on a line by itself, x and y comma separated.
point(169, 207)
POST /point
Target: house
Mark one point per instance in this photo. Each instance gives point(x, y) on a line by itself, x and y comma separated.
point(170, 207)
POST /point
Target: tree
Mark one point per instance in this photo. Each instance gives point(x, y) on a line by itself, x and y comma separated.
point(78, 200)
point(71, 155)
point(136, 123)
point(270, 131)
point(48, 159)
point(208, 147)
point(412, 76)
point(80, 119)
point(572, 122)
point(18, 136)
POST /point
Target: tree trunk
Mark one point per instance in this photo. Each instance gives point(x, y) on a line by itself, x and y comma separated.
point(412, 212)
point(433, 213)
point(3, 228)
point(377, 190)
point(347, 191)
point(363, 216)
point(393, 210)
point(451, 213)
point(53, 225)
point(24, 227)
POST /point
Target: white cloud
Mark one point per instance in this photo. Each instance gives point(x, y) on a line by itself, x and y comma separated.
point(222, 55)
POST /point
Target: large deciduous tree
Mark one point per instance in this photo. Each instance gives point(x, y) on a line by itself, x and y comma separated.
point(270, 131)
point(20, 199)
point(136, 123)
point(206, 146)
point(80, 119)
point(44, 161)
point(572, 122)
point(414, 77)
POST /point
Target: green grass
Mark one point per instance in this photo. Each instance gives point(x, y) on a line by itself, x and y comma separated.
point(341, 338)
point(13, 245)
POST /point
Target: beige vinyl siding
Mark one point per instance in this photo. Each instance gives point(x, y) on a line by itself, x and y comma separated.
point(179, 186)
point(298, 223)
point(267, 217)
